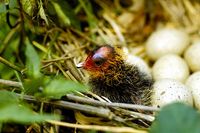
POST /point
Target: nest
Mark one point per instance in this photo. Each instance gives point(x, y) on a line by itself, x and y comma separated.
point(126, 23)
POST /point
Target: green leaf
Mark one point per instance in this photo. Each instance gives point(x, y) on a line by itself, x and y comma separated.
point(28, 6)
point(12, 110)
point(176, 118)
point(89, 12)
point(32, 60)
point(7, 97)
point(59, 87)
point(33, 85)
point(42, 13)
point(61, 15)
point(22, 114)
point(2, 8)
point(64, 10)
point(12, 46)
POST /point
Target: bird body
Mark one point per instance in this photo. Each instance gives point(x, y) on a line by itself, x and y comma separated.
point(112, 77)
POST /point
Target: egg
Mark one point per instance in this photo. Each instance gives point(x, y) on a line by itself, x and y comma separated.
point(166, 41)
point(137, 61)
point(193, 83)
point(192, 56)
point(140, 63)
point(166, 91)
point(170, 66)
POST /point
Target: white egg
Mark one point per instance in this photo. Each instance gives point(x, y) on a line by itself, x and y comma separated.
point(192, 56)
point(165, 41)
point(137, 61)
point(193, 83)
point(140, 63)
point(167, 91)
point(170, 66)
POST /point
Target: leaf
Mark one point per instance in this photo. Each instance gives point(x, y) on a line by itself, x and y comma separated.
point(12, 110)
point(66, 11)
point(2, 8)
point(42, 13)
point(22, 114)
point(89, 12)
point(32, 60)
point(61, 14)
point(28, 6)
point(12, 46)
point(59, 87)
point(33, 85)
point(7, 97)
point(176, 118)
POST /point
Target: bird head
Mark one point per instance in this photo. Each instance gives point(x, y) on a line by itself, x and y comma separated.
point(104, 60)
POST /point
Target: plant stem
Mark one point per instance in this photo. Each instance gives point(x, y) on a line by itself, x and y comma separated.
point(97, 127)
point(4, 61)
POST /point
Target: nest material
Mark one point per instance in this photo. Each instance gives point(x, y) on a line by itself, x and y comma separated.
point(127, 23)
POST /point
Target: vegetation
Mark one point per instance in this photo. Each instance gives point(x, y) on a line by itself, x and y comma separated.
point(41, 42)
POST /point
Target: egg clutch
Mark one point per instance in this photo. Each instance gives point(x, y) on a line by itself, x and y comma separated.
point(173, 77)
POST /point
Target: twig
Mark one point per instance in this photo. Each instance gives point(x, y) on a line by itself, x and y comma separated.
point(4, 61)
point(137, 115)
point(133, 114)
point(10, 83)
point(84, 36)
point(8, 37)
point(105, 113)
point(102, 112)
point(63, 72)
point(98, 111)
point(105, 104)
point(99, 128)
point(115, 28)
point(57, 59)
point(8, 17)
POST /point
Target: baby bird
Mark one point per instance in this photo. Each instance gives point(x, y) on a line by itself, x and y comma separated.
point(112, 77)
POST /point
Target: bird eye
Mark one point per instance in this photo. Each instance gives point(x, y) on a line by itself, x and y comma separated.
point(99, 60)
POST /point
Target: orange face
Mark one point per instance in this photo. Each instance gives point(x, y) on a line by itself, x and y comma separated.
point(98, 60)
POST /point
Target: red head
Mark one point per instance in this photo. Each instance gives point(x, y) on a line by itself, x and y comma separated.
point(97, 59)
point(100, 60)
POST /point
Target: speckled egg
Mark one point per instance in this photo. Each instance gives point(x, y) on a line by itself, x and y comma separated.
point(167, 91)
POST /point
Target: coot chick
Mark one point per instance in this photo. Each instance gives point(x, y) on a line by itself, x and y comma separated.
point(112, 77)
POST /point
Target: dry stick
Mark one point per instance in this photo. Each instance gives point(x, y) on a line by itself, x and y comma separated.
point(115, 27)
point(106, 113)
point(96, 127)
point(147, 117)
point(137, 115)
point(63, 72)
point(102, 112)
point(4, 61)
point(10, 83)
point(57, 59)
point(98, 103)
point(84, 36)
point(121, 105)
point(105, 104)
